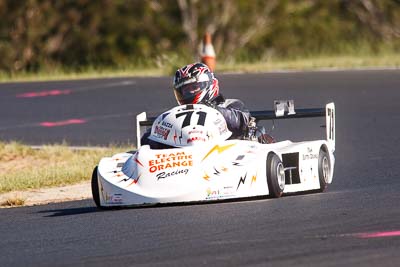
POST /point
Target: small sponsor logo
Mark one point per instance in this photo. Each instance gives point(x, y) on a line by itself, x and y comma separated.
point(161, 132)
point(226, 191)
point(166, 124)
point(195, 139)
point(212, 194)
point(114, 199)
point(310, 156)
point(195, 132)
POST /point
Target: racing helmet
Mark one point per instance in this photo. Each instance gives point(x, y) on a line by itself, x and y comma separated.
point(194, 84)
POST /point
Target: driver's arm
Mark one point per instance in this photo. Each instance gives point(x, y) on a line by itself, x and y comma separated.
point(236, 119)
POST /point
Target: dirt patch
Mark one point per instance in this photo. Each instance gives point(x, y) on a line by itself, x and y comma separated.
point(49, 195)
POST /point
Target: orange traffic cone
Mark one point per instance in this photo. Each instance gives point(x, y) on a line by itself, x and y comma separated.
point(207, 52)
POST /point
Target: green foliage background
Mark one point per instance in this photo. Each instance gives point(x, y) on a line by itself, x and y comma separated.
point(44, 35)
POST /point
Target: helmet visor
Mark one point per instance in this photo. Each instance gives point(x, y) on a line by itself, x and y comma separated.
point(190, 93)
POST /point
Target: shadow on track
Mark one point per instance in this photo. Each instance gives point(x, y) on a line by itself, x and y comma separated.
point(93, 209)
point(69, 211)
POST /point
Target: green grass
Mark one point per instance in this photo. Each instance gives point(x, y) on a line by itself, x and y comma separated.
point(90, 73)
point(315, 63)
point(22, 167)
point(349, 61)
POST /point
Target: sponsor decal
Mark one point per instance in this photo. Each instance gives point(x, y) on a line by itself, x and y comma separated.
point(166, 124)
point(226, 191)
point(113, 199)
point(195, 132)
point(222, 129)
point(196, 138)
point(310, 156)
point(222, 126)
point(161, 132)
point(217, 121)
point(170, 160)
point(212, 194)
point(163, 175)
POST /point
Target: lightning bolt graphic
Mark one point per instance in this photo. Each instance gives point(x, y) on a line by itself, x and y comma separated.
point(241, 181)
point(216, 171)
point(219, 149)
point(124, 180)
point(128, 178)
point(253, 178)
point(136, 159)
point(134, 181)
point(118, 174)
point(206, 177)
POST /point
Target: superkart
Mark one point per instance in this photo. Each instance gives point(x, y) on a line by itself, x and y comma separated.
point(200, 163)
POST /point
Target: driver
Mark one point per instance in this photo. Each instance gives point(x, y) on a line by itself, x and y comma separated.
point(196, 84)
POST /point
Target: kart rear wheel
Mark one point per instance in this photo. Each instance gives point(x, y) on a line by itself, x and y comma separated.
point(95, 188)
point(324, 169)
point(275, 176)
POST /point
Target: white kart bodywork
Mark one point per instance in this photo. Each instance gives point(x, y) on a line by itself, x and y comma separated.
point(212, 169)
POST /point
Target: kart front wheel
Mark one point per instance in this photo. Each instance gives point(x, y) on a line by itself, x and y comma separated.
point(95, 188)
point(324, 169)
point(275, 176)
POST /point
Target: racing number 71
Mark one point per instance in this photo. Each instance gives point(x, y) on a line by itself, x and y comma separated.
point(188, 116)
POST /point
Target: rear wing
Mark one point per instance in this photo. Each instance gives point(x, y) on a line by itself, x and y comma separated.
point(284, 109)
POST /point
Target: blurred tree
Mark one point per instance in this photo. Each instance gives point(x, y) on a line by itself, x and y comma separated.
point(233, 24)
point(76, 34)
point(382, 17)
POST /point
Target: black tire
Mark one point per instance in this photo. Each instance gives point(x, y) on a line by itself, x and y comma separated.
point(95, 188)
point(275, 170)
point(324, 169)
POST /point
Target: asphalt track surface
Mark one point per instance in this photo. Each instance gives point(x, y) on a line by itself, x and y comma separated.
point(356, 222)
